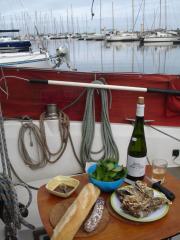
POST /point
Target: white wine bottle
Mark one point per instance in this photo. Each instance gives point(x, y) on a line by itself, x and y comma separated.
point(137, 151)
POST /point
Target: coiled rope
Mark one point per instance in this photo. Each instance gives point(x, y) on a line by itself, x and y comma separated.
point(42, 156)
point(63, 125)
point(45, 154)
point(109, 147)
point(9, 206)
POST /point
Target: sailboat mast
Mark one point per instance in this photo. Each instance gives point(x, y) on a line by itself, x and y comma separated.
point(67, 22)
point(113, 17)
point(165, 15)
point(100, 17)
point(160, 15)
point(72, 21)
point(143, 15)
point(132, 15)
point(78, 28)
point(86, 24)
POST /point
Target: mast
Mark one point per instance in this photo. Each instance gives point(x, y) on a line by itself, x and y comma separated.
point(62, 25)
point(72, 20)
point(113, 17)
point(51, 27)
point(160, 15)
point(67, 22)
point(143, 16)
point(127, 24)
point(100, 17)
point(165, 15)
point(86, 24)
point(132, 15)
point(78, 28)
point(154, 22)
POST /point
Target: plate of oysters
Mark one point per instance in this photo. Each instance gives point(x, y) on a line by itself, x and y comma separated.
point(139, 203)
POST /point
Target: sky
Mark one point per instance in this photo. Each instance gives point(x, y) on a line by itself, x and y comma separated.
point(75, 15)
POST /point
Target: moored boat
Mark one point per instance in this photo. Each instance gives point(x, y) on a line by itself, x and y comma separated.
point(123, 37)
point(38, 59)
point(98, 36)
point(160, 37)
point(16, 52)
point(8, 44)
point(12, 44)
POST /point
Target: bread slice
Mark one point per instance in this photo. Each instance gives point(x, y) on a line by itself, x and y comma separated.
point(73, 218)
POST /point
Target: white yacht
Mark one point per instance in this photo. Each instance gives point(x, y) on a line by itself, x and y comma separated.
point(98, 36)
point(38, 59)
point(160, 37)
point(125, 36)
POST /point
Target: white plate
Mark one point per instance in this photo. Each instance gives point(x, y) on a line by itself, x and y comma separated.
point(158, 214)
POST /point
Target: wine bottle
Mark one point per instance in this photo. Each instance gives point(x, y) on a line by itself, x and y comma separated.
point(137, 151)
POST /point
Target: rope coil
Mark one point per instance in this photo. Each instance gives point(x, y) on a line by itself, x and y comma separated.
point(109, 147)
point(63, 125)
point(45, 154)
point(9, 206)
point(33, 129)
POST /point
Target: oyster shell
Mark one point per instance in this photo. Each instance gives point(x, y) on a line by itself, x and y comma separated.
point(139, 200)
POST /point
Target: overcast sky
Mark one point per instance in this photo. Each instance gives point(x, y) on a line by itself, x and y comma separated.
point(50, 15)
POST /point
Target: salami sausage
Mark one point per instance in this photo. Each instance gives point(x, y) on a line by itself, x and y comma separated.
point(92, 222)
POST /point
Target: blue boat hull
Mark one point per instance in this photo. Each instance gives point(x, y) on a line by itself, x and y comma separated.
point(15, 46)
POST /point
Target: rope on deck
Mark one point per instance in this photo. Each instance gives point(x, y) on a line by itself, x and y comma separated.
point(109, 147)
point(10, 211)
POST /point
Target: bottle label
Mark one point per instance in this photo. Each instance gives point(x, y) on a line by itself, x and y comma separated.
point(136, 166)
point(140, 110)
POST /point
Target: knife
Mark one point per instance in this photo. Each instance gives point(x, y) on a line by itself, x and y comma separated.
point(156, 185)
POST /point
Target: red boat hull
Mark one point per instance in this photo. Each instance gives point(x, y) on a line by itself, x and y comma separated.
point(30, 99)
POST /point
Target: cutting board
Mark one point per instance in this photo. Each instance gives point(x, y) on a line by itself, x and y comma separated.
point(59, 209)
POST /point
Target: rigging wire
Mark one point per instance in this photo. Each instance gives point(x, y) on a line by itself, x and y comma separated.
point(147, 124)
point(167, 134)
point(5, 83)
point(137, 15)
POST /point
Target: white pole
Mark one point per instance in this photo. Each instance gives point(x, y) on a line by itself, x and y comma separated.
point(94, 85)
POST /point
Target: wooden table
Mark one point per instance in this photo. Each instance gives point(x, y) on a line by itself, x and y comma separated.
point(120, 228)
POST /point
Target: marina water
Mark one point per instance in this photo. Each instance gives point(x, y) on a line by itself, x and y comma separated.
point(104, 56)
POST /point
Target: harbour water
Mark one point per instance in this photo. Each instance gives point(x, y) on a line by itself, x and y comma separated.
point(120, 56)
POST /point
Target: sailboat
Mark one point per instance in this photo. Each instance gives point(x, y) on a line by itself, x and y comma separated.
point(162, 35)
point(11, 44)
point(14, 52)
point(98, 36)
point(124, 36)
point(36, 59)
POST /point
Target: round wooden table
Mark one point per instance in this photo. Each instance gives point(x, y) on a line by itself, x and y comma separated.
point(118, 227)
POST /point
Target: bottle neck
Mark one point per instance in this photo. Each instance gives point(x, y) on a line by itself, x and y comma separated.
point(140, 110)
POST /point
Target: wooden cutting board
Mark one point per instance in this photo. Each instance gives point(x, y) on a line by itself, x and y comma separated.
point(59, 209)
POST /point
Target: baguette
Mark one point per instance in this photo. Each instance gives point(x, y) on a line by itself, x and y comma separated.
point(73, 218)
